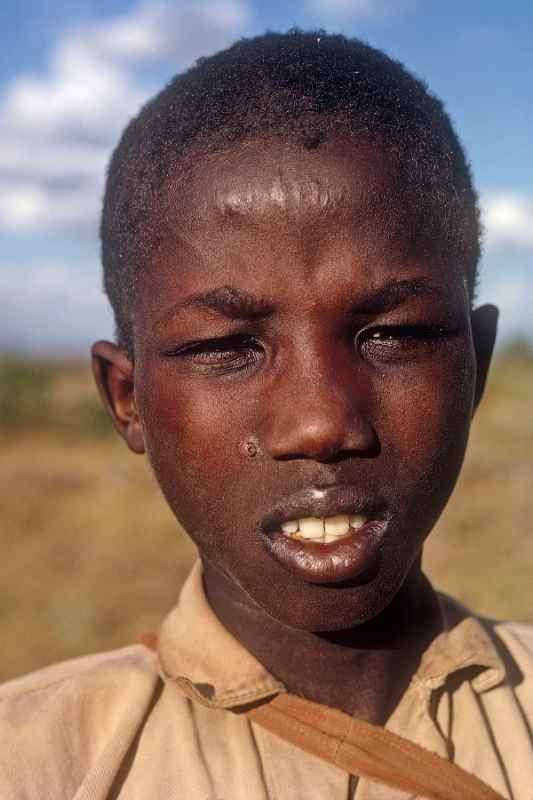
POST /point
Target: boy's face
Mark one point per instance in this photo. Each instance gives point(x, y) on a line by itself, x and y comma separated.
point(301, 352)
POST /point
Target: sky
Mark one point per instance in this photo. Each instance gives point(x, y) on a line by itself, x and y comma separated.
point(73, 74)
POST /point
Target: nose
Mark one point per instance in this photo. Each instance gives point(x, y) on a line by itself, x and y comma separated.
point(322, 417)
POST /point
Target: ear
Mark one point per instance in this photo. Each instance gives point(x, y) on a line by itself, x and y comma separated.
point(484, 327)
point(113, 373)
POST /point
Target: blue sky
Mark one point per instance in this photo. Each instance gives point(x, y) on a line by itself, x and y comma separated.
point(72, 74)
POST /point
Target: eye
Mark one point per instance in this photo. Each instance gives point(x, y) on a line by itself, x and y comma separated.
point(394, 342)
point(227, 354)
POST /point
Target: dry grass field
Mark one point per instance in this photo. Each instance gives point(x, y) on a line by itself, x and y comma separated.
point(91, 556)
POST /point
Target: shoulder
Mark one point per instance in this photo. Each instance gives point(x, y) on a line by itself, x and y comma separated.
point(517, 634)
point(509, 642)
point(515, 639)
point(117, 673)
point(55, 722)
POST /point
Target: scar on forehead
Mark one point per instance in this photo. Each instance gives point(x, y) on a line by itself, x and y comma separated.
point(281, 193)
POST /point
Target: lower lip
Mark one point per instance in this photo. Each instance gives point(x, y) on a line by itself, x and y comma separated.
point(352, 557)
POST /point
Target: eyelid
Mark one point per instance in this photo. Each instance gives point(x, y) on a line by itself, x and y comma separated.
point(422, 329)
point(215, 343)
point(405, 339)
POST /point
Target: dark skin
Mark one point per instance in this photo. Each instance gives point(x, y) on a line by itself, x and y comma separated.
point(293, 333)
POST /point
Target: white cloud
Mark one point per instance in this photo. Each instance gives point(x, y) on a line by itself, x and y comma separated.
point(182, 31)
point(508, 220)
point(49, 160)
point(50, 306)
point(512, 292)
point(364, 10)
point(90, 88)
point(57, 129)
point(27, 207)
point(75, 99)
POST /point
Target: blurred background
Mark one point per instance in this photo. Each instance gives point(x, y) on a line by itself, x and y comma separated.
point(91, 557)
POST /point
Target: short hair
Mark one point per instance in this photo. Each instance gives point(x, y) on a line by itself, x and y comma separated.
point(307, 86)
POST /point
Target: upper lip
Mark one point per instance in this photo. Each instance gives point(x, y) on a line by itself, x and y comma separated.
point(319, 501)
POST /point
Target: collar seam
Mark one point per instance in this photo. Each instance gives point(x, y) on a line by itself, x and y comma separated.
point(226, 699)
point(475, 657)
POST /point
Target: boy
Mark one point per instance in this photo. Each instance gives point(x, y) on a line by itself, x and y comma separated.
point(290, 241)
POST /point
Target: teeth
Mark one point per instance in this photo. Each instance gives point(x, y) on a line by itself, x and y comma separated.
point(323, 529)
point(290, 527)
point(311, 527)
point(337, 526)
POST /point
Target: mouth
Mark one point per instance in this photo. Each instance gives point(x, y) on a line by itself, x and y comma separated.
point(323, 530)
point(328, 535)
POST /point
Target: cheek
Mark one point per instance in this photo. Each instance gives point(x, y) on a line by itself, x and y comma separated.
point(425, 428)
point(194, 441)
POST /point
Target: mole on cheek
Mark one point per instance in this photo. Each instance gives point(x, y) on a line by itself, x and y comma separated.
point(251, 447)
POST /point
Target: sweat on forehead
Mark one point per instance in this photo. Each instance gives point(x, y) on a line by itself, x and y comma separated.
point(298, 89)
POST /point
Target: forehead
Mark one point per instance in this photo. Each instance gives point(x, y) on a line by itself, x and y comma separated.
point(266, 210)
point(341, 164)
point(266, 183)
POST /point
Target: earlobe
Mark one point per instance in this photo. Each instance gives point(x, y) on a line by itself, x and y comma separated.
point(113, 373)
point(484, 328)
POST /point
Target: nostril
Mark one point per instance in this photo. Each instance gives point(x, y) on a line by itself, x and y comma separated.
point(317, 453)
point(372, 451)
point(324, 439)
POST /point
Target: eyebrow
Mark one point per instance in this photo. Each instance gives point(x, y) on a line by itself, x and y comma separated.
point(396, 292)
point(238, 304)
point(228, 301)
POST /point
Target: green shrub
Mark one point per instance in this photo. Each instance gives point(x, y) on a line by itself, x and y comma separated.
point(84, 418)
point(29, 401)
point(25, 394)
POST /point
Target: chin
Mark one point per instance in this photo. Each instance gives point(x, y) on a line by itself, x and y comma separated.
point(326, 608)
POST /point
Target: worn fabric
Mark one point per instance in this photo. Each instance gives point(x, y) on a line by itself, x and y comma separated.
point(366, 750)
point(133, 724)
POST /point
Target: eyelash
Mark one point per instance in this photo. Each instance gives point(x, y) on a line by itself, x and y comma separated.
point(227, 354)
point(400, 341)
point(241, 353)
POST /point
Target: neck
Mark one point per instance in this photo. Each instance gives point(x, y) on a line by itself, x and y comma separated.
point(363, 671)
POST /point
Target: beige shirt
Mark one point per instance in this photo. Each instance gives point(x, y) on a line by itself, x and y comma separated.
point(134, 725)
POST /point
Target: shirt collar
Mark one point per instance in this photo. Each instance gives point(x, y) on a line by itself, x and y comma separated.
point(463, 643)
point(207, 663)
point(202, 657)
